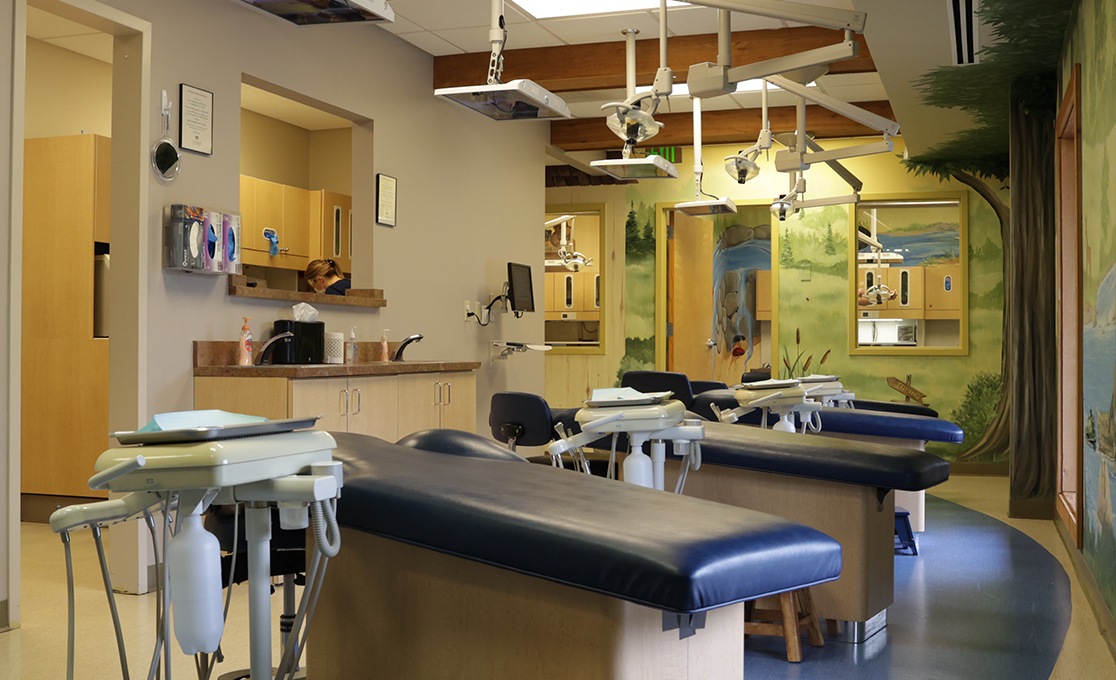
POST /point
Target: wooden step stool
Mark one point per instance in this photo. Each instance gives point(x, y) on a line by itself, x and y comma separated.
point(796, 611)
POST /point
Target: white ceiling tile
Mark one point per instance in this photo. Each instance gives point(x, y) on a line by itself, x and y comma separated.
point(400, 25)
point(434, 16)
point(582, 30)
point(690, 20)
point(520, 36)
point(431, 44)
point(514, 15)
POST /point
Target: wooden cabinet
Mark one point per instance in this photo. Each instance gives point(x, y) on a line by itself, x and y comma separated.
point(64, 368)
point(387, 406)
point(280, 208)
point(944, 291)
point(437, 400)
point(364, 405)
point(763, 295)
point(331, 234)
point(906, 282)
point(573, 296)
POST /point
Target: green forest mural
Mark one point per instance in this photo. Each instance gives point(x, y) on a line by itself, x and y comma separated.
point(814, 302)
point(639, 290)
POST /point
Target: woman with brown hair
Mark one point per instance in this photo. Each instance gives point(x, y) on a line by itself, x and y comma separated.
point(324, 276)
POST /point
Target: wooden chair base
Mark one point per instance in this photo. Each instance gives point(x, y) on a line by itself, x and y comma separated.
point(795, 613)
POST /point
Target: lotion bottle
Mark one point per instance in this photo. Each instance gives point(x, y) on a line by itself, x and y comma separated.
point(244, 349)
point(384, 351)
point(351, 347)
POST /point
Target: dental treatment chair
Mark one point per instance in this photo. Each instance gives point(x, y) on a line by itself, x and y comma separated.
point(903, 425)
point(475, 566)
point(524, 419)
point(844, 488)
point(899, 428)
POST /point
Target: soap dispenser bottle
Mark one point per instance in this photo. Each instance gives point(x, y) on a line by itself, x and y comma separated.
point(244, 347)
point(351, 347)
point(384, 351)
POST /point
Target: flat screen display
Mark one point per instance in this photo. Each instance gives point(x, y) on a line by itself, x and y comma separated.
point(520, 290)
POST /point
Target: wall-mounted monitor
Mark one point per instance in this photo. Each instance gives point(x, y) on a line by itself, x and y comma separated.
point(521, 292)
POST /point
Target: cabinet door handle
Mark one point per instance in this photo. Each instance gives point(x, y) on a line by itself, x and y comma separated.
point(357, 411)
point(449, 394)
point(343, 402)
point(437, 393)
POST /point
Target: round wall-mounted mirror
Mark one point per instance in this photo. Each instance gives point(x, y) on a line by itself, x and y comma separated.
point(164, 160)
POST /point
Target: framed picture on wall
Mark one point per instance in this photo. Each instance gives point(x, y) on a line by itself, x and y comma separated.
point(195, 120)
point(386, 191)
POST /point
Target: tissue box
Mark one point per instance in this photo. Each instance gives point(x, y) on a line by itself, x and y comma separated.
point(183, 236)
point(307, 346)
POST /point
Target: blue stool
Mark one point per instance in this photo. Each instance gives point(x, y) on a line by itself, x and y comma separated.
point(904, 537)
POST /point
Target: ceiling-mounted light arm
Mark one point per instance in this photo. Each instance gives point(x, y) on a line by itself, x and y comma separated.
point(842, 172)
point(851, 111)
point(742, 166)
point(498, 36)
point(814, 15)
point(630, 122)
point(707, 80)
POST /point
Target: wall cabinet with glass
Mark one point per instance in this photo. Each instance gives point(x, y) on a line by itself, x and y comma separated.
point(574, 293)
point(911, 259)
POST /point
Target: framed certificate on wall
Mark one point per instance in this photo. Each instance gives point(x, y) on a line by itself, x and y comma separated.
point(195, 120)
point(386, 194)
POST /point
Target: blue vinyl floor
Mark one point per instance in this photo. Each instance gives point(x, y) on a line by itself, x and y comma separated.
point(981, 600)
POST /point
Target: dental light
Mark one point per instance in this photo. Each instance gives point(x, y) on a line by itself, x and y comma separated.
point(517, 100)
point(742, 167)
point(573, 261)
point(633, 120)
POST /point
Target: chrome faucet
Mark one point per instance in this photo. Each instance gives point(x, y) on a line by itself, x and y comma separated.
point(269, 346)
point(398, 356)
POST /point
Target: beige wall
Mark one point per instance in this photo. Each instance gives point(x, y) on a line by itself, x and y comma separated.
point(331, 160)
point(455, 233)
point(67, 93)
point(456, 230)
point(273, 150)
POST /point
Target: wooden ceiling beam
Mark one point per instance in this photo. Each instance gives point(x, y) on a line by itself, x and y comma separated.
point(734, 126)
point(601, 65)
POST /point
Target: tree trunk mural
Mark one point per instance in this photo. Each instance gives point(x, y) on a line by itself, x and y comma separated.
point(1030, 304)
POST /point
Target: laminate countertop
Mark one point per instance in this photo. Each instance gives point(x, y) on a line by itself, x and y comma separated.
point(371, 368)
point(217, 359)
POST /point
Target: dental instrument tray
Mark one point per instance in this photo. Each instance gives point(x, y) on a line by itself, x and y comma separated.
point(627, 397)
point(770, 384)
point(213, 432)
point(817, 378)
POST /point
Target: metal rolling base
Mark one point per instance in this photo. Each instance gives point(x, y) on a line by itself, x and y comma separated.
point(856, 632)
